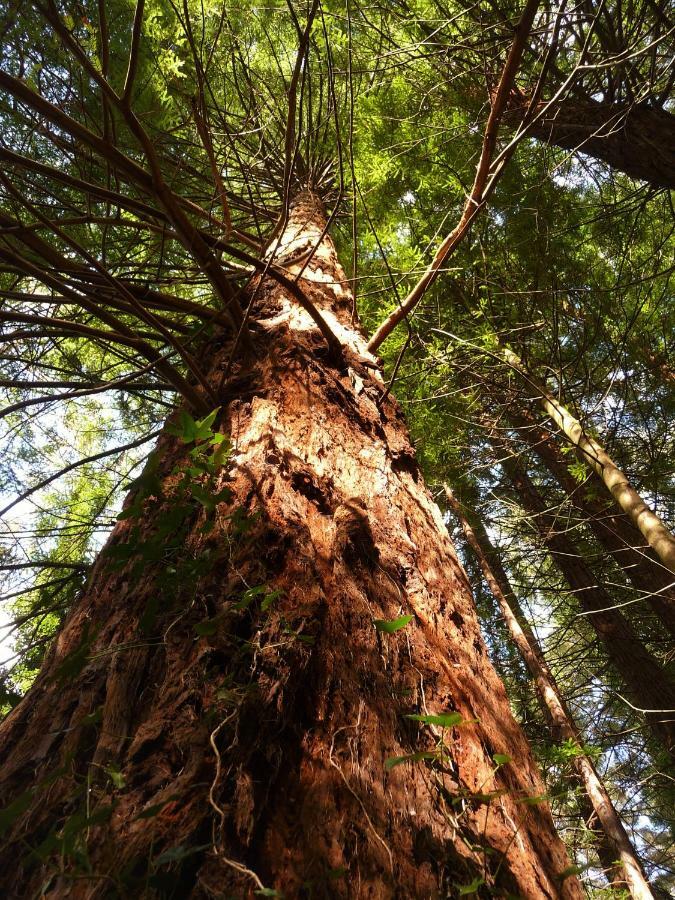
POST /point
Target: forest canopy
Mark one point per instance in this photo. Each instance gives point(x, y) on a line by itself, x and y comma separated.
point(497, 181)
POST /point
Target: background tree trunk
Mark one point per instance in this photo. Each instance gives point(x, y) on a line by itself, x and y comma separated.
point(592, 454)
point(217, 713)
point(636, 139)
point(612, 527)
point(612, 842)
point(647, 684)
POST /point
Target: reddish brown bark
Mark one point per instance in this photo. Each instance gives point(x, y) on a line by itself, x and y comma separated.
point(648, 686)
point(261, 736)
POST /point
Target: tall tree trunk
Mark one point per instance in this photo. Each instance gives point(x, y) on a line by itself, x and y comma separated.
point(612, 841)
point(648, 686)
point(633, 138)
point(217, 714)
point(612, 528)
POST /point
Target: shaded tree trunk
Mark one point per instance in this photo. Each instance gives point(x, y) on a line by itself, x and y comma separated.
point(633, 138)
point(217, 714)
point(648, 685)
point(612, 842)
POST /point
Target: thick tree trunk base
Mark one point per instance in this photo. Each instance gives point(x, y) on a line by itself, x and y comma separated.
point(215, 739)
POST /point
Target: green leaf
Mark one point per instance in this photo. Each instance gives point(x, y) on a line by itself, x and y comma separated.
point(224, 495)
point(392, 625)
point(207, 627)
point(502, 758)
point(175, 854)
point(133, 511)
point(465, 889)
point(481, 797)
point(204, 496)
point(221, 454)
point(241, 521)
point(534, 800)
point(260, 590)
point(148, 482)
point(185, 428)
point(445, 720)
point(116, 777)
point(394, 761)
point(155, 809)
point(11, 813)
point(8, 695)
point(573, 870)
point(269, 599)
point(203, 430)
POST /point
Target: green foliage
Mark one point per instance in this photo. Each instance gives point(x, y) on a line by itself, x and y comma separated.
point(502, 758)
point(445, 720)
point(559, 754)
point(391, 626)
point(394, 761)
point(465, 890)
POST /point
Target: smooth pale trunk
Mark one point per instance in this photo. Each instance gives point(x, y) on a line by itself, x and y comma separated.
point(554, 707)
point(610, 525)
point(659, 538)
point(649, 688)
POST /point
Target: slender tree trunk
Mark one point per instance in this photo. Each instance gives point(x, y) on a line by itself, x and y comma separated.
point(613, 842)
point(217, 714)
point(648, 686)
point(645, 519)
point(612, 528)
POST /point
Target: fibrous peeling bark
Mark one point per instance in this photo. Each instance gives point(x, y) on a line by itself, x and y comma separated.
point(250, 713)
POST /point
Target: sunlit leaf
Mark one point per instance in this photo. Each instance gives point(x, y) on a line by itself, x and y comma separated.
point(392, 625)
